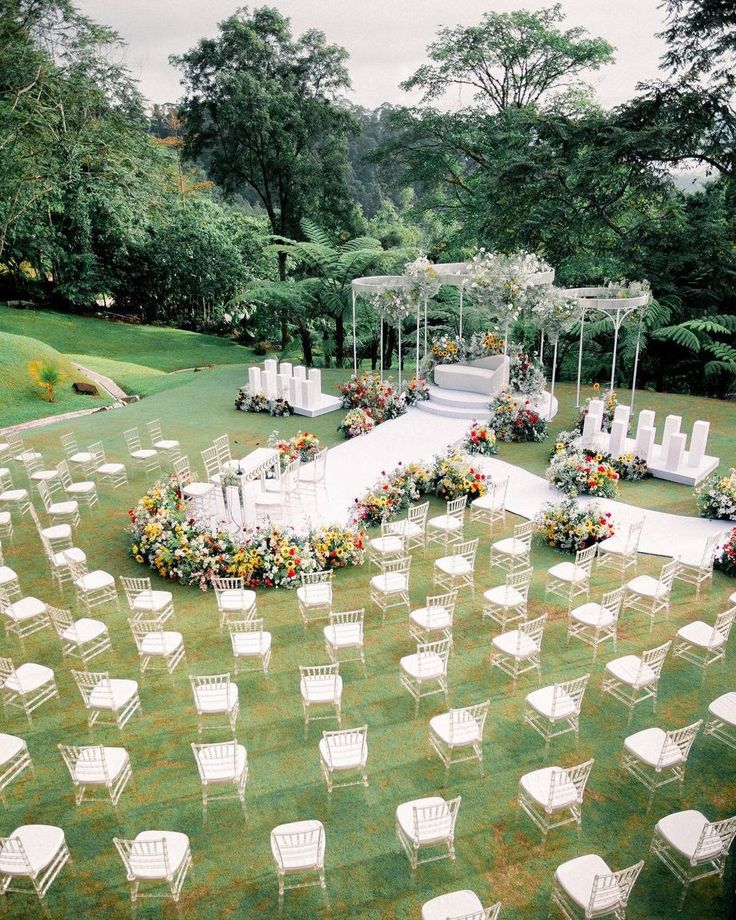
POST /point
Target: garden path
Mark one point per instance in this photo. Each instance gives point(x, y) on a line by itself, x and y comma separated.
point(354, 466)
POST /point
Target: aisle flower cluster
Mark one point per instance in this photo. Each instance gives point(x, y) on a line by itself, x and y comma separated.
point(480, 439)
point(716, 497)
point(526, 374)
point(569, 527)
point(179, 547)
point(248, 401)
point(416, 391)
point(304, 445)
point(726, 558)
point(452, 476)
point(380, 399)
point(580, 474)
point(356, 423)
point(516, 420)
point(391, 494)
point(629, 467)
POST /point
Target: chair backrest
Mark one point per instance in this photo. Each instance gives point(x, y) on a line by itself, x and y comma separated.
point(99, 681)
point(456, 507)
point(429, 652)
point(499, 488)
point(723, 625)
point(520, 580)
point(84, 759)
point(486, 913)
point(346, 740)
point(317, 578)
point(654, 658)
point(322, 675)
point(715, 838)
point(132, 439)
point(253, 625)
point(7, 669)
point(43, 491)
point(154, 430)
point(584, 557)
point(5, 602)
point(461, 718)
point(524, 532)
point(301, 848)
point(400, 565)
point(230, 587)
point(98, 453)
point(710, 550)
point(182, 471)
point(62, 469)
point(32, 463)
point(678, 741)
point(211, 461)
point(15, 859)
point(418, 514)
point(290, 476)
point(431, 821)
point(215, 687)
point(633, 536)
point(394, 528)
point(216, 759)
point(147, 859)
point(134, 587)
point(559, 788)
point(222, 447)
point(667, 574)
point(77, 568)
point(533, 629)
point(612, 890)
point(61, 619)
point(69, 443)
point(440, 604)
point(612, 601)
point(468, 550)
point(349, 617)
point(143, 628)
point(569, 690)
point(320, 464)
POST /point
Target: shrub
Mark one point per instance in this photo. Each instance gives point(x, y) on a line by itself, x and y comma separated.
point(47, 375)
point(716, 497)
point(516, 420)
point(480, 439)
point(264, 347)
point(569, 527)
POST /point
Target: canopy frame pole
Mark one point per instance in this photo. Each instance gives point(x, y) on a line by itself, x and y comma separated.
point(462, 288)
point(554, 371)
point(636, 359)
point(541, 347)
point(401, 381)
point(355, 340)
point(381, 348)
point(425, 328)
point(580, 358)
point(416, 360)
point(616, 326)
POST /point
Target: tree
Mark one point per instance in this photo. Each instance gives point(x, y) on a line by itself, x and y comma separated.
point(510, 59)
point(260, 108)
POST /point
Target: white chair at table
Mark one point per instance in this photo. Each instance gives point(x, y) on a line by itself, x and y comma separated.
point(553, 796)
point(459, 905)
point(314, 596)
point(159, 859)
point(657, 757)
point(427, 823)
point(507, 603)
point(721, 722)
point(620, 552)
point(586, 887)
point(344, 753)
point(233, 599)
point(632, 679)
point(448, 528)
point(222, 766)
point(595, 623)
point(298, 848)
point(457, 736)
point(692, 847)
point(280, 504)
point(491, 507)
point(249, 641)
point(35, 853)
point(555, 710)
point(696, 568)
point(199, 495)
point(14, 760)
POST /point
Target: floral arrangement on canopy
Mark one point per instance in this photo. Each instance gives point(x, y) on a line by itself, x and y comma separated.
point(422, 279)
point(553, 310)
point(392, 305)
point(621, 287)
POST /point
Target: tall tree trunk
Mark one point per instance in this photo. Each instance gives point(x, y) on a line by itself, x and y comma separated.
point(389, 346)
point(340, 340)
point(374, 353)
point(306, 338)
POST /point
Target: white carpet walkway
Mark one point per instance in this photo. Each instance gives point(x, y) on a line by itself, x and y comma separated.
point(354, 466)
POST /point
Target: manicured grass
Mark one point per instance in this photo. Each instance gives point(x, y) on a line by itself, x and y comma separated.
point(499, 852)
point(135, 378)
point(20, 398)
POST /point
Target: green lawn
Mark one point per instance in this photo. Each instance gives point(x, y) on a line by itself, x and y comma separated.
point(499, 853)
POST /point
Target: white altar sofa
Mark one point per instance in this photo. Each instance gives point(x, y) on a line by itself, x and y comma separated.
point(484, 375)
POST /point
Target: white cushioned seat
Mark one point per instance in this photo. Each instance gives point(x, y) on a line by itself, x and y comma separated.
point(251, 643)
point(436, 617)
point(389, 544)
point(10, 747)
point(453, 904)
point(152, 601)
point(92, 772)
point(646, 586)
point(577, 877)
point(464, 731)
point(343, 635)
point(161, 643)
point(344, 756)
point(94, 580)
point(445, 522)
point(699, 633)
point(177, 845)
point(504, 596)
point(541, 700)
point(41, 843)
point(437, 830)
point(453, 565)
point(61, 560)
point(213, 699)
point(628, 669)
point(82, 456)
point(321, 689)
point(682, 831)
point(592, 614)
point(144, 454)
point(110, 469)
point(296, 858)
point(724, 708)
point(84, 630)
point(115, 694)
point(166, 444)
point(389, 582)
point(511, 547)
point(223, 770)
point(237, 600)
point(538, 784)
point(25, 609)
point(7, 575)
point(29, 677)
point(314, 594)
point(647, 746)
point(431, 666)
point(567, 571)
point(508, 642)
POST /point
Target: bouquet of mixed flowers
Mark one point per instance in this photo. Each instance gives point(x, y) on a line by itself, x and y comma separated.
point(304, 445)
point(502, 282)
point(379, 398)
point(356, 423)
point(566, 442)
point(569, 527)
point(480, 439)
point(581, 474)
point(516, 420)
point(484, 344)
point(526, 374)
point(716, 497)
point(416, 391)
point(726, 557)
point(247, 401)
point(629, 467)
point(391, 494)
point(335, 547)
point(447, 349)
point(452, 476)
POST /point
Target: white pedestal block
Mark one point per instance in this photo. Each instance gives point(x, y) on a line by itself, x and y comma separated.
point(619, 428)
point(698, 443)
point(286, 368)
point(596, 408)
point(646, 420)
point(591, 429)
point(675, 451)
point(254, 379)
point(303, 391)
point(671, 427)
point(315, 375)
point(314, 392)
point(644, 441)
point(293, 394)
point(300, 372)
point(271, 365)
point(269, 384)
point(282, 383)
point(622, 414)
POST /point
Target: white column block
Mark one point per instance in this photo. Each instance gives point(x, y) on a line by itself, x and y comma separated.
point(286, 368)
point(646, 420)
point(622, 414)
point(271, 365)
point(671, 427)
point(644, 441)
point(314, 392)
point(591, 429)
point(282, 384)
point(300, 372)
point(698, 443)
point(254, 379)
point(303, 391)
point(619, 428)
point(293, 393)
point(269, 384)
point(596, 408)
point(676, 450)
point(315, 374)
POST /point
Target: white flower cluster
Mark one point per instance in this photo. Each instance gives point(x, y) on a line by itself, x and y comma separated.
point(423, 282)
point(501, 282)
point(623, 288)
point(553, 310)
point(393, 305)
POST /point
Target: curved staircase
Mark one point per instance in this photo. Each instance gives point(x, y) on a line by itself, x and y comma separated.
point(460, 404)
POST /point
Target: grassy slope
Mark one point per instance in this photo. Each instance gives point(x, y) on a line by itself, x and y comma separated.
point(20, 398)
point(498, 849)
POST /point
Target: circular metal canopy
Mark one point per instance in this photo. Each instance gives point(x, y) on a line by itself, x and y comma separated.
point(599, 298)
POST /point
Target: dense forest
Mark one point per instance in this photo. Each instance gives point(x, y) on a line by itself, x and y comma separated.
point(247, 206)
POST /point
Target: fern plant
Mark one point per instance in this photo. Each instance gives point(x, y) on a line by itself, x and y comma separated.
point(47, 375)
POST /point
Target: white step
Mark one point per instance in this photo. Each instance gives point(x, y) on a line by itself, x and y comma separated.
point(479, 413)
point(459, 399)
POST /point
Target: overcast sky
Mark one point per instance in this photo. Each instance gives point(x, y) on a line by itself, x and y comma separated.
point(386, 39)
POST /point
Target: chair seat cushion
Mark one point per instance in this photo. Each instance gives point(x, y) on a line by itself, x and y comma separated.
point(344, 756)
point(29, 677)
point(10, 747)
point(113, 694)
point(630, 670)
point(577, 877)
point(64, 508)
point(431, 618)
point(166, 444)
point(516, 644)
point(455, 731)
point(13, 495)
point(445, 522)
point(453, 565)
point(504, 596)
point(177, 847)
point(94, 581)
point(649, 745)
point(161, 643)
point(386, 545)
point(198, 489)
point(251, 643)
point(344, 635)
point(646, 586)
point(724, 708)
point(293, 858)
point(487, 502)
point(110, 469)
point(57, 532)
point(80, 488)
point(321, 689)
point(81, 456)
point(511, 547)
point(235, 599)
point(44, 475)
point(538, 785)
point(453, 904)
point(7, 575)
point(436, 830)
point(592, 614)
point(4, 518)
point(223, 769)
point(92, 772)
point(315, 595)
point(682, 830)
point(25, 609)
point(213, 699)
point(61, 560)
point(412, 530)
point(41, 843)
point(144, 454)
point(84, 630)
point(390, 582)
point(550, 706)
point(152, 601)
point(701, 634)
point(427, 666)
point(615, 545)
point(568, 571)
